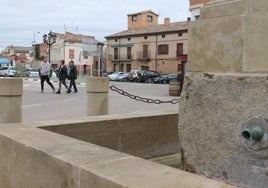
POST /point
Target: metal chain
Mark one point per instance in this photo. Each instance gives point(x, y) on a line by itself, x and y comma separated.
point(142, 99)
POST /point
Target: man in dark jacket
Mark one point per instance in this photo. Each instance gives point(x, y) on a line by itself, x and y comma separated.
point(72, 76)
point(62, 75)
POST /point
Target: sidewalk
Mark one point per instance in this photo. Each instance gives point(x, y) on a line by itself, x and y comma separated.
point(79, 80)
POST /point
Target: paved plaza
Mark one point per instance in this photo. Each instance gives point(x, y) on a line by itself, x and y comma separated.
point(38, 106)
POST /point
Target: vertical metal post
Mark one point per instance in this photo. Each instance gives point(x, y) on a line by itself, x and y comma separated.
point(49, 52)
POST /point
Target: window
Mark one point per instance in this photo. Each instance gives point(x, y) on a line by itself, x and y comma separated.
point(179, 49)
point(163, 36)
point(115, 40)
point(129, 39)
point(163, 49)
point(134, 18)
point(145, 37)
point(128, 52)
point(116, 53)
point(145, 53)
point(179, 34)
point(71, 53)
point(179, 68)
point(149, 18)
point(122, 67)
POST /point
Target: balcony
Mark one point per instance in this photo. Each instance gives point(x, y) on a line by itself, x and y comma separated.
point(143, 56)
point(121, 58)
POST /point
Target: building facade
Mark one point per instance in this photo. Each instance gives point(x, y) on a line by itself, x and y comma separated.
point(85, 51)
point(235, 41)
point(19, 55)
point(147, 45)
point(195, 6)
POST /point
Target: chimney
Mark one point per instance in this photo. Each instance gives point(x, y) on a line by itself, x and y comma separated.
point(167, 21)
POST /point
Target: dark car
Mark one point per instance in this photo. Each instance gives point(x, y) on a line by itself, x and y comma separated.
point(147, 76)
point(163, 79)
point(172, 77)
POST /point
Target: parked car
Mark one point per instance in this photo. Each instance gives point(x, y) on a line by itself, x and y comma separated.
point(7, 71)
point(113, 76)
point(106, 74)
point(55, 73)
point(122, 77)
point(31, 72)
point(163, 79)
point(133, 75)
point(147, 76)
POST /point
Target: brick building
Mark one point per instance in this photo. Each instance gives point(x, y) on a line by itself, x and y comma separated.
point(18, 54)
point(148, 45)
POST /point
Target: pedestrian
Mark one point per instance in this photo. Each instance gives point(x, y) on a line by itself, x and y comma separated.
point(72, 76)
point(62, 75)
point(45, 73)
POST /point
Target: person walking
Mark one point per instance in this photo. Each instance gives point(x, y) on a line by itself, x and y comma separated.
point(45, 73)
point(62, 75)
point(72, 76)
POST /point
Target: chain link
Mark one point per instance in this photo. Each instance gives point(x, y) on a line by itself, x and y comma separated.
point(142, 99)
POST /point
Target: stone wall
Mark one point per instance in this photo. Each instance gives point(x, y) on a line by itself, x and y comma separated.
point(32, 157)
point(145, 135)
point(215, 109)
point(230, 36)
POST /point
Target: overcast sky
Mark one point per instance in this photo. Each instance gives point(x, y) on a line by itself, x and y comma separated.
point(21, 20)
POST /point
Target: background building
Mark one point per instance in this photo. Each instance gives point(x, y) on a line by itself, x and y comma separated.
point(19, 55)
point(148, 45)
point(195, 6)
point(85, 51)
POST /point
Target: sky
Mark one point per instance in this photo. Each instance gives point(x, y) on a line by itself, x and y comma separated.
point(23, 22)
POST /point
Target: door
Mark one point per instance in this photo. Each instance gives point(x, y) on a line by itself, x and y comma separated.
point(128, 67)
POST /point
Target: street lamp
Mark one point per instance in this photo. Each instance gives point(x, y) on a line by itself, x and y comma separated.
point(49, 40)
point(34, 49)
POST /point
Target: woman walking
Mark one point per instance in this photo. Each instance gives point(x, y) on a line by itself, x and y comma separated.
point(62, 75)
point(72, 76)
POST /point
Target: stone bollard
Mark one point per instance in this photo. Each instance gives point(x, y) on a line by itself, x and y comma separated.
point(97, 96)
point(11, 100)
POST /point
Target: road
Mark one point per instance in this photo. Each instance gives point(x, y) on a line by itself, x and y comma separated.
point(38, 106)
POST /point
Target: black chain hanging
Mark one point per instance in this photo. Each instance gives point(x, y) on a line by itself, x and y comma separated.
point(142, 99)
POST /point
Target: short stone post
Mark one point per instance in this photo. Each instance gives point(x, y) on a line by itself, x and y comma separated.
point(11, 90)
point(97, 96)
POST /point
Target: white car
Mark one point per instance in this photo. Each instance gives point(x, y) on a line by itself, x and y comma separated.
point(7, 71)
point(133, 75)
point(114, 75)
point(31, 72)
